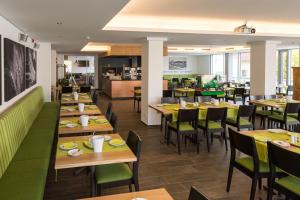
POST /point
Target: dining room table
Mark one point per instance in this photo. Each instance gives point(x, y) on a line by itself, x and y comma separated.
point(278, 136)
point(111, 154)
point(73, 110)
point(185, 91)
point(273, 103)
point(68, 98)
point(72, 125)
point(154, 194)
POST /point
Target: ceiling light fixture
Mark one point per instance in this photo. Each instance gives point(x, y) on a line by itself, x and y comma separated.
point(95, 47)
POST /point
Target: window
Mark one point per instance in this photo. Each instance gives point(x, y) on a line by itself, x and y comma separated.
point(233, 67)
point(245, 67)
point(217, 64)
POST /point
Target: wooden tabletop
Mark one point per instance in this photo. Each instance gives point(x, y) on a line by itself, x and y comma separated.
point(67, 111)
point(156, 194)
point(184, 90)
point(101, 127)
point(68, 98)
point(270, 102)
point(92, 159)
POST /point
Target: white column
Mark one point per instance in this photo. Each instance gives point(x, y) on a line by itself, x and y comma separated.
point(152, 78)
point(263, 67)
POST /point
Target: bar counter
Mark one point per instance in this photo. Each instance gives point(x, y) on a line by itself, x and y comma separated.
point(118, 89)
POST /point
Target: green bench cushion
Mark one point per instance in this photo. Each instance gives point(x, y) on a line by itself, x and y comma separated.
point(112, 172)
point(24, 180)
point(291, 183)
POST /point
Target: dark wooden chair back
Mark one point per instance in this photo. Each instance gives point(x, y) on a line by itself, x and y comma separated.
point(239, 92)
point(169, 100)
point(67, 89)
point(167, 93)
point(95, 97)
point(244, 144)
point(289, 90)
point(85, 89)
point(291, 108)
point(108, 111)
point(196, 194)
point(134, 142)
point(187, 99)
point(188, 115)
point(216, 114)
point(247, 111)
point(137, 88)
point(202, 99)
point(286, 160)
point(114, 122)
point(175, 80)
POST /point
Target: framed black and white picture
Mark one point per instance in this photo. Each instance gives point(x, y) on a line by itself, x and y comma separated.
point(177, 63)
point(30, 73)
point(14, 69)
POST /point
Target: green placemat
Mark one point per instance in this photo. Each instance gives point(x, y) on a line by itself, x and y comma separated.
point(92, 122)
point(106, 148)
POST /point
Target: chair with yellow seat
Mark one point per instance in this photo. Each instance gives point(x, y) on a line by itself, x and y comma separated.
point(250, 164)
point(289, 162)
point(245, 118)
point(214, 123)
point(186, 124)
point(114, 175)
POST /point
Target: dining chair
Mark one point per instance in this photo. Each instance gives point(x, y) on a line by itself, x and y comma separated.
point(288, 119)
point(167, 93)
point(245, 118)
point(197, 94)
point(95, 97)
point(289, 162)
point(289, 90)
point(186, 124)
point(85, 89)
point(214, 123)
point(249, 163)
point(67, 89)
point(272, 96)
point(170, 100)
point(114, 122)
point(196, 194)
point(114, 175)
point(261, 111)
point(136, 97)
point(238, 95)
point(108, 111)
point(187, 99)
point(202, 99)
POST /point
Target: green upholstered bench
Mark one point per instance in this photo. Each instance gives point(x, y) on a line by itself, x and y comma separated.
point(27, 132)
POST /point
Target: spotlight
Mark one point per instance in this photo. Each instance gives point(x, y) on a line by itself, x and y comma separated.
point(23, 37)
point(36, 45)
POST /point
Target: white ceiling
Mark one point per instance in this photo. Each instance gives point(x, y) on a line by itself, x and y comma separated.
point(87, 18)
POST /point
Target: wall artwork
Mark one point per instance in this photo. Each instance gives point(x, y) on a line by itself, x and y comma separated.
point(30, 73)
point(14, 69)
point(177, 63)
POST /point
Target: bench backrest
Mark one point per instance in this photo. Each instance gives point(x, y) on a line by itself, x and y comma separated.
point(15, 123)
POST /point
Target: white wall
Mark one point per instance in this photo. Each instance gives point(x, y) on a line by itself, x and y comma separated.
point(76, 69)
point(196, 64)
point(53, 67)
point(7, 30)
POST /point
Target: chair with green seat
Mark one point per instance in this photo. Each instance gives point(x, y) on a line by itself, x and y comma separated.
point(137, 97)
point(214, 123)
point(114, 175)
point(238, 95)
point(286, 120)
point(250, 164)
point(289, 162)
point(171, 100)
point(261, 112)
point(245, 118)
point(186, 124)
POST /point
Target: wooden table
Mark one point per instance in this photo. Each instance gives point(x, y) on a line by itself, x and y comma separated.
point(94, 127)
point(273, 103)
point(67, 111)
point(68, 98)
point(156, 194)
point(92, 159)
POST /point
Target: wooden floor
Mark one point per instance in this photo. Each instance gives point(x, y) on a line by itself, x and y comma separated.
point(161, 166)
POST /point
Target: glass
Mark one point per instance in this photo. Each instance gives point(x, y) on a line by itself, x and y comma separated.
point(245, 66)
point(233, 67)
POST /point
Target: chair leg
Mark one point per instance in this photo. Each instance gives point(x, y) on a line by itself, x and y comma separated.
point(198, 143)
point(178, 143)
point(130, 187)
point(161, 122)
point(207, 141)
point(133, 103)
point(259, 183)
point(253, 188)
point(270, 190)
point(225, 140)
point(136, 186)
point(230, 173)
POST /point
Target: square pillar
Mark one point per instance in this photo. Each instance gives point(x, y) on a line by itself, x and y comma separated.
point(152, 78)
point(263, 67)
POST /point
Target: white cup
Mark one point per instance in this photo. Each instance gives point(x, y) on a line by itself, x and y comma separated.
point(98, 141)
point(76, 97)
point(84, 120)
point(81, 107)
point(293, 139)
point(183, 104)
